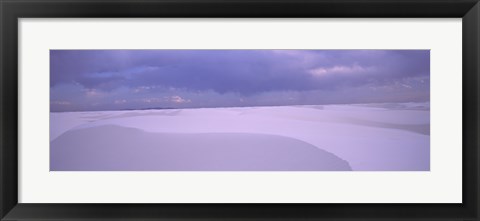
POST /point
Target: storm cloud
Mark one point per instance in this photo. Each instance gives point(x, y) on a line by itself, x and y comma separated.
point(132, 79)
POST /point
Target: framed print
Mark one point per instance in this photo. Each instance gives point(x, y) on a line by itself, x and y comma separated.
point(320, 110)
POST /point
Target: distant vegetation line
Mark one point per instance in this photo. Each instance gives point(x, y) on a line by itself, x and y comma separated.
point(173, 108)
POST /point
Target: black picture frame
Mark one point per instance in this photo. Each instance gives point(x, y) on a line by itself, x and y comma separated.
point(12, 10)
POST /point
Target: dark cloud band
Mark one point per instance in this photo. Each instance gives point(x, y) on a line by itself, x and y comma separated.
point(103, 78)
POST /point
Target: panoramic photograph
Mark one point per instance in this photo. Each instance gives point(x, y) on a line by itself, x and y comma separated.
point(239, 110)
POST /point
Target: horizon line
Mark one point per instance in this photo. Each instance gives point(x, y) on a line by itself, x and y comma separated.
point(181, 108)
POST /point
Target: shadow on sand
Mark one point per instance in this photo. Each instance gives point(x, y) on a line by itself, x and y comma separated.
point(116, 148)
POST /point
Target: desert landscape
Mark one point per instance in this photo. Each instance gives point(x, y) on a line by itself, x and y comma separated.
point(346, 137)
point(239, 110)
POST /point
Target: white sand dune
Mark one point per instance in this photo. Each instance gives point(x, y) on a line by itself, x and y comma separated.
point(116, 148)
point(369, 137)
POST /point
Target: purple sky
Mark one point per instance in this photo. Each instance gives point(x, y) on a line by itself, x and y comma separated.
point(84, 80)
